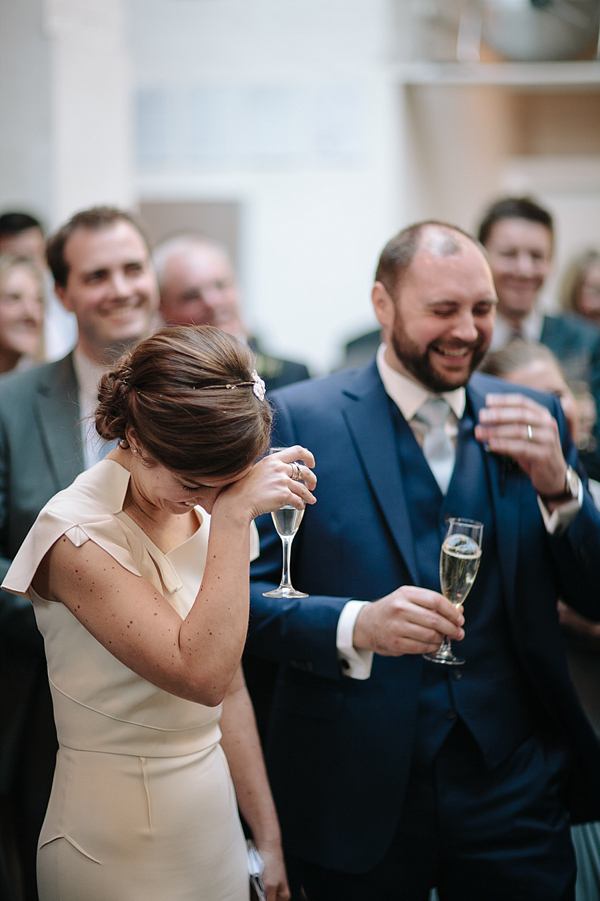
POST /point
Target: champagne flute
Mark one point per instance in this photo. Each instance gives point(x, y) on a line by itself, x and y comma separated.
point(286, 520)
point(459, 562)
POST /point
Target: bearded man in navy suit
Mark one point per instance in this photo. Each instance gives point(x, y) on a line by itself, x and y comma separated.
point(393, 774)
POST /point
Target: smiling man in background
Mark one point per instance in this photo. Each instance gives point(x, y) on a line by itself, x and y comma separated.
point(518, 235)
point(198, 287)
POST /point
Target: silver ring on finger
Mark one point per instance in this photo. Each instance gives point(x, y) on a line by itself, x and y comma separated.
point(529, 432)
point(296, 475)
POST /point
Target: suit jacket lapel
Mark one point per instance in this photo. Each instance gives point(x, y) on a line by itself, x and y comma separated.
point(57, 415)
point(368, 418)
point(505, 486)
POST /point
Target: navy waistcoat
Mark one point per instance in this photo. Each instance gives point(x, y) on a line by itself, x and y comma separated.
point(489, 693)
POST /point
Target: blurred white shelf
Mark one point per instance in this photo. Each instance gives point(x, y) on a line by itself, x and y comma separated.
point(577, 75)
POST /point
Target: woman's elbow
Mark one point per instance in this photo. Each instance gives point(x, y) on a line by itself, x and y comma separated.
point(210, 692)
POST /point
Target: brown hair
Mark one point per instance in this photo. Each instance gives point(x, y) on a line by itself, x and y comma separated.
point(399, 252)
point(190, 396)
point(94, 219)
point(514, 208)
point(573, 276)
point(516, 354)
point(13, 223)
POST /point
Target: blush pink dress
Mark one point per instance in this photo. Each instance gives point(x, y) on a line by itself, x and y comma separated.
point(142, 807)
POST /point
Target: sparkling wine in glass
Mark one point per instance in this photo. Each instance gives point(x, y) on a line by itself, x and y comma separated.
point(286, 521)
point(459, 561)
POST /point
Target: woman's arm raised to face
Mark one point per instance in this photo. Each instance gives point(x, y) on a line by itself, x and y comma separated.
point(196, 657)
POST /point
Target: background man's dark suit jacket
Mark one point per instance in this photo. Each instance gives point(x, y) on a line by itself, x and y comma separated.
point(40, 454)
point(339, 749)
point(277, 372)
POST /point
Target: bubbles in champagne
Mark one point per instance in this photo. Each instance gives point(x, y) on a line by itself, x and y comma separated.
point(459, 562)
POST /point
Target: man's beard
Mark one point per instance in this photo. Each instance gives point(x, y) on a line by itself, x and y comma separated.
point(418, 363)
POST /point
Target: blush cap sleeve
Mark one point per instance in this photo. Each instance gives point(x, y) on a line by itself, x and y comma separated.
point(49, 527)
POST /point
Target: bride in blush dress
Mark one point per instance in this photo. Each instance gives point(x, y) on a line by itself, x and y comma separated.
point(138, 574)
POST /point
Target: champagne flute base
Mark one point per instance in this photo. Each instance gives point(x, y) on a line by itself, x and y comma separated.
point(285, 592)
point(444, 656)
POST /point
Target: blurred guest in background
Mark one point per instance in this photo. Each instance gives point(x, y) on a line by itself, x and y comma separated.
point(21, 312)
point(198, 287)
point(534, 365)
point(23, 234)
point(518, 235)
point(579, 289)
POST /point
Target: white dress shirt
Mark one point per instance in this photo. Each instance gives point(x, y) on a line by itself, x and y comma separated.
point(88, 374)
point(530, 328)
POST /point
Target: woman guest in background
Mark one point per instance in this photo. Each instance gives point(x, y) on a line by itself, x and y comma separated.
point(579, 290)
point(21, 312)
point(535, 366)
point(138, 575)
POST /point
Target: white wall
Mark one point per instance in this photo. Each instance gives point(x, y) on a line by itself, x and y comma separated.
point(91, 111)
point(65, 107)
point(303, 132)
point(25, 103)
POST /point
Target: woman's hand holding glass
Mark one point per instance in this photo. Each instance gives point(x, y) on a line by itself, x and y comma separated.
point(277, 480)
point(288, 516)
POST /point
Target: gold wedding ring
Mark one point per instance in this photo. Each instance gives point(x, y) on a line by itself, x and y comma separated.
point(529, 432)
point(295, 476)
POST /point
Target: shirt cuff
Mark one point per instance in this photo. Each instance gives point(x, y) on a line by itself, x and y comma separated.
point(355, 663)
point(561, 517)
point(254, 542)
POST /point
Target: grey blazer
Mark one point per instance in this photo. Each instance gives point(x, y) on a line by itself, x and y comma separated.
point(41, 452)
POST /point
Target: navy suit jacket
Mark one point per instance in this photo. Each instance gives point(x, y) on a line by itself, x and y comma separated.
point(339, 749)
point(40, 454)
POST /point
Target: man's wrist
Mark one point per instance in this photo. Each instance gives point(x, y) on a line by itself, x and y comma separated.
point(559, 512)
point(570, 490)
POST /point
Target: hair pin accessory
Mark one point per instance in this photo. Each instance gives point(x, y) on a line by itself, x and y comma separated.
point(258, 386)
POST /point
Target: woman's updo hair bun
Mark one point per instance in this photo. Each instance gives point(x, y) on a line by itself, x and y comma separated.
point(114, 391)
point(193, 399)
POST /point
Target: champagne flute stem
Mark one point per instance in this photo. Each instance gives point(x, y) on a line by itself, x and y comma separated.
point(287, 557)
point(445, 646)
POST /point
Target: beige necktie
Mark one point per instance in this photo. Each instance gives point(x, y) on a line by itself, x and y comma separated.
point(438, 448)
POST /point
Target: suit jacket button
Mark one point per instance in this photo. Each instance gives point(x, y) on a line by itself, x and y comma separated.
point(451, 714)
